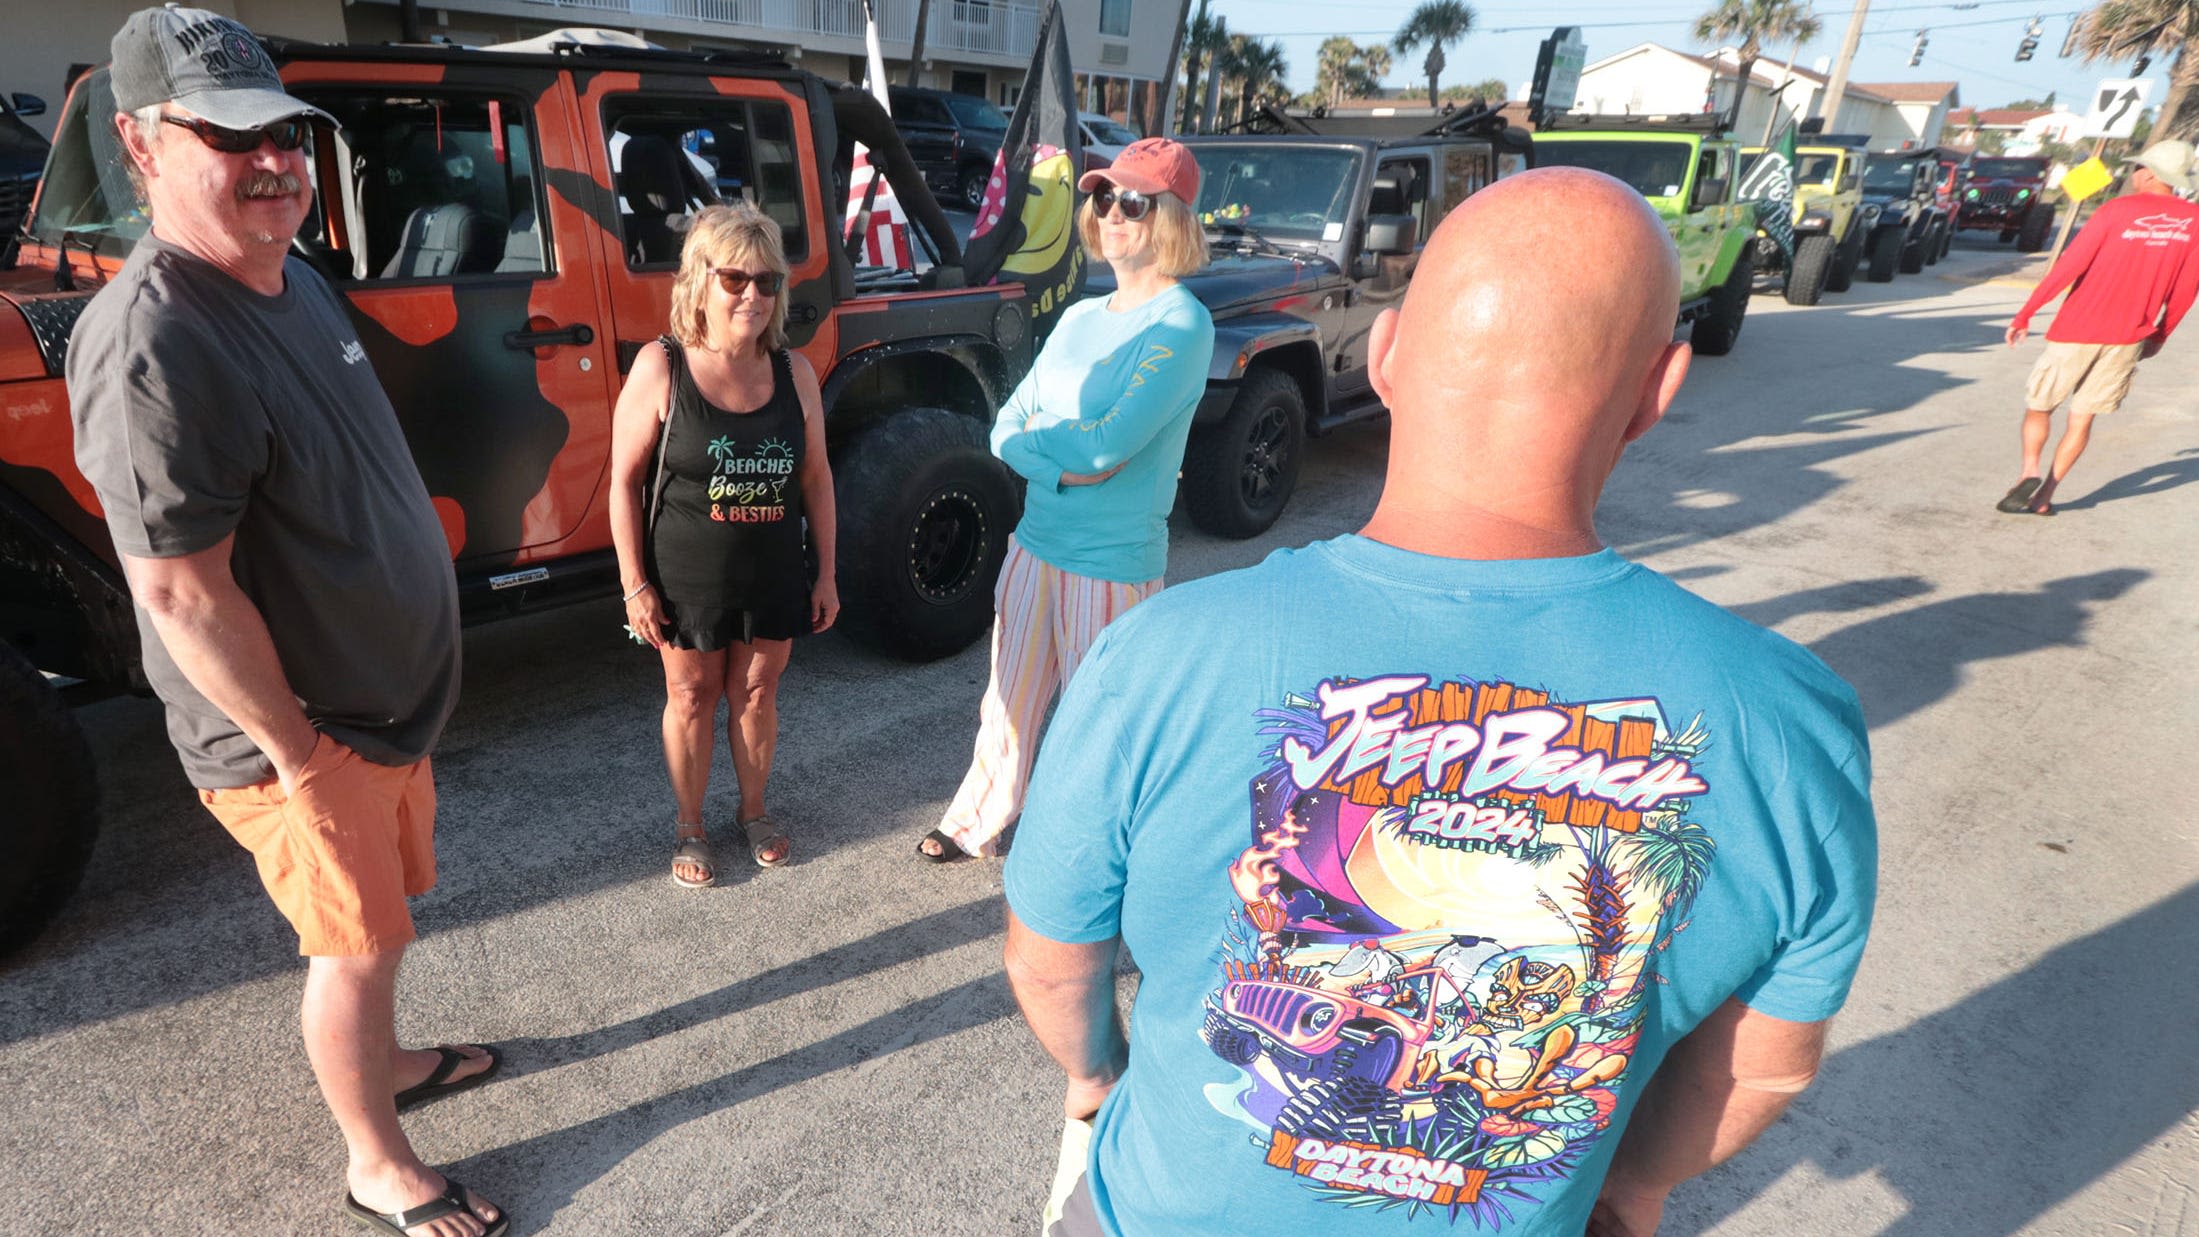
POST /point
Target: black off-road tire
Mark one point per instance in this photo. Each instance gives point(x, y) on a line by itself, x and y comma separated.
point(1238, 474)
point(1935, 243)
point(925, 513)
point(1339, 1107)
point(2038, 225)
point(2007, 235)
point(1886, 247)
point(52, 802)
point(1849, 256)
point(1230, 1042)
point(1912, 253)
point(1813, 263)
point(1718, 330)
point(970, 186)
point(1946, 238)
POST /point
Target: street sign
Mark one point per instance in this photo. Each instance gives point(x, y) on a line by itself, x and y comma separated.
point(2086, 179)
point(1557, 73)
point(2116, 103)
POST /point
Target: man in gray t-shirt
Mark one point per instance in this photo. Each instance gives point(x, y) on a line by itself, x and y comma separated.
point(292, 578)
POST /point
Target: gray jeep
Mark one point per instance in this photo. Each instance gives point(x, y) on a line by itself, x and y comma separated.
point(1312, 236)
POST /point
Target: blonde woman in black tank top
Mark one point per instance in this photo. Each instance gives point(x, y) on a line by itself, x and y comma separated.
point(712, 567)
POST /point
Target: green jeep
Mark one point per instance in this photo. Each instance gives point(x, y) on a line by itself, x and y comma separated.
point(1831, 222)
point(1688, 169)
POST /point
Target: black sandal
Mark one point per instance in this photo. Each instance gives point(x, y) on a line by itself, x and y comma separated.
point(949, 850)
point(452, 1201)
point(436, 1085)
point(2018, 498)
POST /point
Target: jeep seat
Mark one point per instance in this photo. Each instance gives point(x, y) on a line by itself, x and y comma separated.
point(522, 241)
point(649, 179)
point(450, 239)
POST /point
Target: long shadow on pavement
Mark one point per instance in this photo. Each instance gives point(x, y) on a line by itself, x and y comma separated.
point(2040, 1084)
point(1904, 661)
point(935, 933)
point(2152, 479)
point(538, 1176)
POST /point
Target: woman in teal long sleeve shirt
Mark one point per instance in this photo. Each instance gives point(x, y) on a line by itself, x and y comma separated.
point(1098, 429)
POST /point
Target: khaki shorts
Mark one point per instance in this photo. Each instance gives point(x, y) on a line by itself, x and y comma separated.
point(341, 855)
point(2097, 375)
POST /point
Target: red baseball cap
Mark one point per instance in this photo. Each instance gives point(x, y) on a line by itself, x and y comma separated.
point(1151, 165)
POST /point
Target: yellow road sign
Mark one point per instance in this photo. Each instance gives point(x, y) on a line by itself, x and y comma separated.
point(2086, 179)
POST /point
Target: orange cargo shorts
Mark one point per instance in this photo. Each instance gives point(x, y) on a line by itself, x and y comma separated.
point(341, 855)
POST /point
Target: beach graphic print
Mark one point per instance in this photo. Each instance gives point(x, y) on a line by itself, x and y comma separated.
point(749, 489)
point(1448, 916)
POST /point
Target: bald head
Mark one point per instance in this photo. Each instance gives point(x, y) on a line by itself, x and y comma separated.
point(1536, 341)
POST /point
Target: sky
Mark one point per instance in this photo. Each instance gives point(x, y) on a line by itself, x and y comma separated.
point(1972, 42)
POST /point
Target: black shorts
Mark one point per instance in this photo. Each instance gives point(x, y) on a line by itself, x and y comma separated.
point(707, 629)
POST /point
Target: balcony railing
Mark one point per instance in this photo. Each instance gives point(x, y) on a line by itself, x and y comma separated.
point(988, 27)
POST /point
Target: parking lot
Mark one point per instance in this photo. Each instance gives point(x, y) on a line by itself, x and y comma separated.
point(830, 1047)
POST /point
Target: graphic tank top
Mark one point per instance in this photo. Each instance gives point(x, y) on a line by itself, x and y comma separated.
point(729, 533)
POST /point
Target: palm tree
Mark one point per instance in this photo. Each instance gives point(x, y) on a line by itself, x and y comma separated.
point(1338, 55)
point(1436, 23)
point(1206, 35)
point(2121, 29)
point(1756, 22)
point(1260, 71)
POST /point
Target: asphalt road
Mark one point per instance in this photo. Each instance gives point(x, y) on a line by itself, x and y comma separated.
point(829, 1048)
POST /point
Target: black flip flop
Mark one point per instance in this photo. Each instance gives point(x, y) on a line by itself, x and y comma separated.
point(452, 1201)
point(437, 1085)
point(949, 851)
point(2018, 498)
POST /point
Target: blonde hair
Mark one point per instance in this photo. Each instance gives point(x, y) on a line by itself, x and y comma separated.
point(1179, 243)
point(739, 235)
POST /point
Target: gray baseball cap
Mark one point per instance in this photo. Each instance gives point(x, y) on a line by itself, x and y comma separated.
point(202, 61)
point(2171, 161)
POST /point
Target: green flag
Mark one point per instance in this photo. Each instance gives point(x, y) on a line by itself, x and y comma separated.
point(1769, 183)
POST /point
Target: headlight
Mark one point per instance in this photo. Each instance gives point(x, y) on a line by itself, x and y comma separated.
point(2021, 194)
point(1816, 219)
point(1972, 195)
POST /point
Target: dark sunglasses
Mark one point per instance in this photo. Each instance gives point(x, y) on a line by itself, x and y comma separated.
point(285, 134)
point(736, 281)
point(1131, 204)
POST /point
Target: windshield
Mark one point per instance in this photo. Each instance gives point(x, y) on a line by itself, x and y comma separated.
point(2006, 169)
point(976, 113)
point(1108, 132)
point(1896, 175)
point(1655, 169)
point(1816, 169)
point(87, 198)
point(1290, 192)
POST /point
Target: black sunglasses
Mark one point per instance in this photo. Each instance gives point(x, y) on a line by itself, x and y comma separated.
point(285, 134)
point(736, 281)
point(1132, 205)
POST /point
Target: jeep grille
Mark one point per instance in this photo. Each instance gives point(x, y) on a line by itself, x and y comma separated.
point(1272, 1005)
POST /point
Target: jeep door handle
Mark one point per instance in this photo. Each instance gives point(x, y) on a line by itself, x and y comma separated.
point(804, 314)
point(528, 341)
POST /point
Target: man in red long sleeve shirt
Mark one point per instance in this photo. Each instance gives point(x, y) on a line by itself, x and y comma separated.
point(2131, 274)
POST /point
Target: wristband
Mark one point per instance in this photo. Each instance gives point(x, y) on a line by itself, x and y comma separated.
point(637, 591)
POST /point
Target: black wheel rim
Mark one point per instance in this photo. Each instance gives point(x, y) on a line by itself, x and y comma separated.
point(947, 546)
point(1267, 457)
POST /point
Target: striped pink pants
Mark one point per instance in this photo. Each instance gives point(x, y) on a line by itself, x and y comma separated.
point(1048, 619)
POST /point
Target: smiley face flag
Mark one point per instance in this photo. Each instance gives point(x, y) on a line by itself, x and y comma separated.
point(1026, 227)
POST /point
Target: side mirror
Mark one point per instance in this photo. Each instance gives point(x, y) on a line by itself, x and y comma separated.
point(1850, 182)
point(1391, 234)
point(1710, 191)
point(27, 104)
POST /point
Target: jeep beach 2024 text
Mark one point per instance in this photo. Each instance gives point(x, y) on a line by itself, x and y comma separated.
point(504, 224)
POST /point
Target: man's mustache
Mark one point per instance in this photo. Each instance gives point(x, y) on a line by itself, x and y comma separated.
point(270, 185)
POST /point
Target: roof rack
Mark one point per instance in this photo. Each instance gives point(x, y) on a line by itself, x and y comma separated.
point(1711, 123)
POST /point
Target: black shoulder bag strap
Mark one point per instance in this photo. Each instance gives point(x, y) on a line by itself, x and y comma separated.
point(676, 365)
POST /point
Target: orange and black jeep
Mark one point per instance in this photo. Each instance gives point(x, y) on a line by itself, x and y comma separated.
point(505, 225)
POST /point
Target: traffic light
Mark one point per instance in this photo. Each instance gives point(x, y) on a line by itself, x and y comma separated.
point(1916, 54)
point(2030, 42)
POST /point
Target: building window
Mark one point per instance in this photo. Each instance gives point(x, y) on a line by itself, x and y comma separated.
point(1114, 18)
